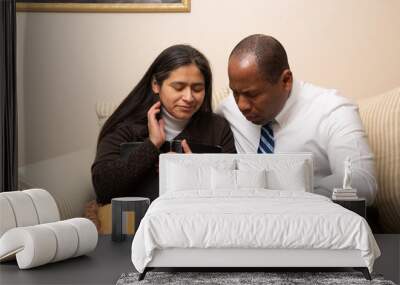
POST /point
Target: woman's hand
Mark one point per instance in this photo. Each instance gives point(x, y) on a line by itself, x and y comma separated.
point(185, 147)
point(156, 128)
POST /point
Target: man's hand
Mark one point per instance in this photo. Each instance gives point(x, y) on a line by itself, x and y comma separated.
point(156, 128)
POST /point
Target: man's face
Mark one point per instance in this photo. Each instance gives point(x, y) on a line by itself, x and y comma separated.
point(258, 99)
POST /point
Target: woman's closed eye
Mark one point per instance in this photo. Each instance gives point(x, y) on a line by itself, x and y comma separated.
point(178, 86)
point(198, 87)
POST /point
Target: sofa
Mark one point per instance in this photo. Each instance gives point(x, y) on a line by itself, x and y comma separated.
point(381, 117)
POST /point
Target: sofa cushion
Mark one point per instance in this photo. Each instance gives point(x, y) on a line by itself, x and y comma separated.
point(219, 96)
point(104, 110)
point(381, 118)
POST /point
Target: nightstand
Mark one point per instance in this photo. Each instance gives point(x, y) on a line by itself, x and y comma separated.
point(358, 206)
point(122, 207)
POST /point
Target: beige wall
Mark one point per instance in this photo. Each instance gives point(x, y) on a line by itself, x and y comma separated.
point(67, 62)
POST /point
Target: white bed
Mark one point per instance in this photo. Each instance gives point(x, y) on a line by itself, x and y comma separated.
point(247, 211)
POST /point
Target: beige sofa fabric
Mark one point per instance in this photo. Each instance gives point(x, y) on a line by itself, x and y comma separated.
point(381, 118)
point(104, 110)
point(218, 97)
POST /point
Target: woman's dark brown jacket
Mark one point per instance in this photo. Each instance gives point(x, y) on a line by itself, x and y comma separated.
point(114, 176)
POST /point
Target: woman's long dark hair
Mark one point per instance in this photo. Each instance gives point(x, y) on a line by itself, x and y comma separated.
point(141, 98)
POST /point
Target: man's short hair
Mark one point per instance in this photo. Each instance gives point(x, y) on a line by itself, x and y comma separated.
point(270, 55)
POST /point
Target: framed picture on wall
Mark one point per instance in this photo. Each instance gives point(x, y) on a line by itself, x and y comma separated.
point(124, 6)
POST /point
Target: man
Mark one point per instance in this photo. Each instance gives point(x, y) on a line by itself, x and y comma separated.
point(270, 112)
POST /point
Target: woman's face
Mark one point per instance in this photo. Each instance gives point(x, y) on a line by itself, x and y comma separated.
point(182, 93)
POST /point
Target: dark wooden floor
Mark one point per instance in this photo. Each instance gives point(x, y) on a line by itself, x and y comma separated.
point(110, 260)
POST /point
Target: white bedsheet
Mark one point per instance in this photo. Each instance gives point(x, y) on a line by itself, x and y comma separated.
point(250, 219)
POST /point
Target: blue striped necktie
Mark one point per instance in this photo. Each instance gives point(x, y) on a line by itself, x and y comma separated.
point(267, 142)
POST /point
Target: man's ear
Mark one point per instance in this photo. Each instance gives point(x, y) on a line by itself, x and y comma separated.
point(287, 79)
point(155, 86)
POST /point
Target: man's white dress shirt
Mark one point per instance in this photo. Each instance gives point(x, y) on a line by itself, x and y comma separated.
point(319, 121)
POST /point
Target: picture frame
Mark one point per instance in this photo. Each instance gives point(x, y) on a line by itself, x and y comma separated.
point(104, 6)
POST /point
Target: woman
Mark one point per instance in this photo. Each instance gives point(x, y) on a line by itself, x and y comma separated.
point(171, 101)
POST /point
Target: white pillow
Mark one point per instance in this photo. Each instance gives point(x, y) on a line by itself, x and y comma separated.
point(227, 179)
point(192, 172)
point(281, 174)
point(251, 178)
point(183, 177)
point(223, 179)
point(293, 180)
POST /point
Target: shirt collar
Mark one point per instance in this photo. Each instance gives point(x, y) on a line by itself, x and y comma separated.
point(284, 114)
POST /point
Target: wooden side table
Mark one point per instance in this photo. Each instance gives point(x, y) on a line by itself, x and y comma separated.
point(358, 206)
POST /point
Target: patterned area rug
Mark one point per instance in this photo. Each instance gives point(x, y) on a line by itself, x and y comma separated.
point(225, 278)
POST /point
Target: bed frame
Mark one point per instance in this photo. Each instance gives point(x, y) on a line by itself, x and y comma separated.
point(234, 259)
point(250, 259)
